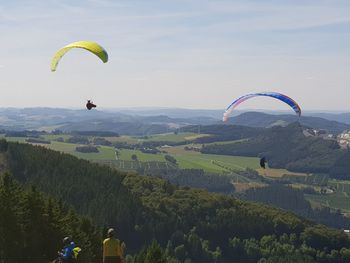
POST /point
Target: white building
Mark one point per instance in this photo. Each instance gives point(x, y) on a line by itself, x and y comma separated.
point(344, 139)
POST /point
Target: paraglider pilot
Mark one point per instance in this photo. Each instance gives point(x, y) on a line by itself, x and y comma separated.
point(262, 162)
point(90, 105)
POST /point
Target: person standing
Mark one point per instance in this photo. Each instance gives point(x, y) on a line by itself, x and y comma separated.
point(112, 248)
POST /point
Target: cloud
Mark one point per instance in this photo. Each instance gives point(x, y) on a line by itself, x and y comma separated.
point(262, 16)
point(158, 47)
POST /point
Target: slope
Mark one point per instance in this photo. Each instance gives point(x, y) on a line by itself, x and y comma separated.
point(287, 147)
point(192, 223)
point(259, 119)
point(32, 226)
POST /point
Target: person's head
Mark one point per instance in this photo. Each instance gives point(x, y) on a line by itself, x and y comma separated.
point(110, 232)
point(66, 241)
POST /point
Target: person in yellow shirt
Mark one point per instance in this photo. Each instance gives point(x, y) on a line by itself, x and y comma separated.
point(113, 249)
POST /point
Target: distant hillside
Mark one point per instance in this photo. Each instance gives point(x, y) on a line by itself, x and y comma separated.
point(340, 117)
point(288, 147)
point(133, 125)
point(122, 128)
point(49, 119)
point(258, 119)
point(143, 122)
point(193, 225)
point(174, 112)
point(221, 132)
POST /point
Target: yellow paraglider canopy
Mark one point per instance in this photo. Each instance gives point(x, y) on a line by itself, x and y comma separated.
point(93, 47)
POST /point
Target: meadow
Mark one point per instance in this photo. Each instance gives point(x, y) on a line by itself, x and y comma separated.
point(211, 163)
point(185, 159)
point(166, 137)
point(194, 160)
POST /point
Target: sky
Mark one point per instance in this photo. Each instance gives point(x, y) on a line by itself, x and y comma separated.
point(176, 53)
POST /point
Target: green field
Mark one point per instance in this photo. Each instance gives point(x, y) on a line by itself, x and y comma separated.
point(124, 139)
point(172, 137)
point(313, 179)
point(51, 137)
point(125, 154)
point(186, 159)
point(216, 163)
point(220, 164)
point(135, 165)
point(14, 139)
point(339, 185)
point(207, 162)
point(338, 200)
point(105, 152)
point(225, 142)
point(166, 137)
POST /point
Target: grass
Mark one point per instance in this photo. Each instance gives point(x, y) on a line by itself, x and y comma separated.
point(179, 150)
point(51, 137)
point(186, 159)
point(105, 152)
point(195, 160)
point(214, 163)
point(125, 139)
point(277, 173)
point(312, 179)
point(134, 165)
point(208, 162)
point(13, 139)
point(338, 200)
point(341, 186)
point(226, 142)
point(172, 137)
point(166, 137)
point(242, 187)
point(125, 154)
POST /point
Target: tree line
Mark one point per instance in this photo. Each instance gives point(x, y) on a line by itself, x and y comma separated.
point(287, 147)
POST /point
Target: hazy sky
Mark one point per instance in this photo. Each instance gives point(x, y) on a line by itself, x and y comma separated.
point(176, 53)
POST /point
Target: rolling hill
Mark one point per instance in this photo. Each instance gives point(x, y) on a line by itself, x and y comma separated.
point(258, 119)
point(288, 147)
point(192, 224)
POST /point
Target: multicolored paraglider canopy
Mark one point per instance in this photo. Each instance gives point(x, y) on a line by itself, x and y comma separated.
point(275, 95)
point(93, 47)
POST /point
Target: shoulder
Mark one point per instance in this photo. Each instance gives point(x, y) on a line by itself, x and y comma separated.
point(106, 240)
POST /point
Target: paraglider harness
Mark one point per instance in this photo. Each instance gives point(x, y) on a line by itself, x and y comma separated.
point(263, 162)
point(74, 257)
point(90, 105)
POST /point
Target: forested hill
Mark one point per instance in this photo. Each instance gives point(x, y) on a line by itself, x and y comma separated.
point(288, 147)
point(32, 226)
point(220, 132)
point(191, 224)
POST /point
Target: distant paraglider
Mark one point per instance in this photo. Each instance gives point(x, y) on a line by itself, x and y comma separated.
point(263, 162)
point(275, 95)
point(90, 105)
point(93, 47)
